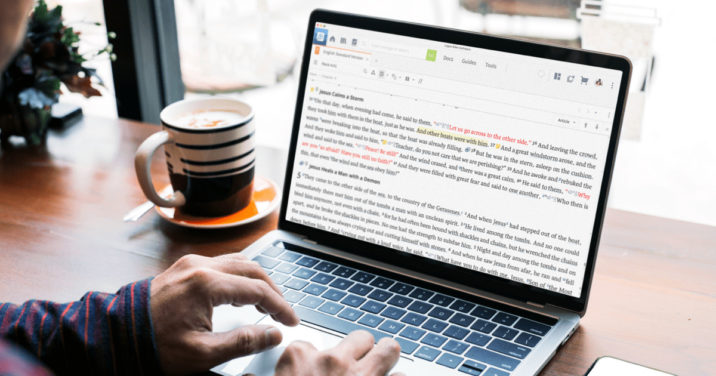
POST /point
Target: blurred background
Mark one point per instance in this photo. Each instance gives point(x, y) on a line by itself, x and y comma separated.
point(666, 165)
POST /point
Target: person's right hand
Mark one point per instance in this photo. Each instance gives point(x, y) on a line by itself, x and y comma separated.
point(354, 356)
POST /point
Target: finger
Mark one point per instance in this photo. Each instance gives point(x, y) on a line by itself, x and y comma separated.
point(381, 359)
point(356, 344)
point(230, 289)
point(242, 341)
point(296, 352)
point(237, 264)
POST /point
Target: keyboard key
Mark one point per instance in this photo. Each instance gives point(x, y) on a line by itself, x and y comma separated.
point(508, 348)
point(380, 295)
point(381, 282)
point(399, 301)
point(266, 263)
point(455, 347)
point(304, 273)
point(449, 360)
point(414, 319)
point(441, 300)
point(427, 353)
point(335, 323)
point(286, 268)
point(527, 339)
point(334, 295)
point(504, 318)
point(478, 339)
point(362, 277)
point(440, 313)
point(330, 308)
point(495, 372)
point(272, 251)
point(296, 284)
point(311, 301)
point(435, 325)
point(353, 300)
point(341, 284)
point(406, 347)
point(484, 326)
point(323, 278)
point(401, 288)
point(306, 261)
point(393, 313)
point(462, 306)
point(533, 327)
point(371, 320)
point(492, 358)
point(315, 289)
point(282, 289)
point(412, 333)
point(293, 296)
point(289, 256)
point(350, 314)
point(421, 294)
point(462, 319)
point(360, 289)
point(372, 306)
point(391, 326)
point(325, 266)
point(505, 333)
point(472, 367)
point(420, 307)
point(483, 312)
point(434, 340)
point(456, 332)
point(279, 278)
point(344, 271)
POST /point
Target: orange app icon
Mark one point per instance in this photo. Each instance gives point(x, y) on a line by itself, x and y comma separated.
point(317, 50)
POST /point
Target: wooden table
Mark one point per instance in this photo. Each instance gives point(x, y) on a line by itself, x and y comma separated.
point(61, 233)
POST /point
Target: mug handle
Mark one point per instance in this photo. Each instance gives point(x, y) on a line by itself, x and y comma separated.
point(142, 163)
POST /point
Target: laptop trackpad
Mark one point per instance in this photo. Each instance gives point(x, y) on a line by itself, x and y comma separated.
point(265, 362)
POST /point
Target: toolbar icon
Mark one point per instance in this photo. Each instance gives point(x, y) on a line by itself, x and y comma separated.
point(354, 42)
point(584, 81)
point(598, 82)
point(343, 40)
point(431, 55)
point(557, 76)
point(570, 78)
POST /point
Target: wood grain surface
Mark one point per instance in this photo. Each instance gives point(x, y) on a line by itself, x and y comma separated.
point(653, 299)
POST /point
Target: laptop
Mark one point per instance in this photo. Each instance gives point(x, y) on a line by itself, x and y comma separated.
point(443, 188)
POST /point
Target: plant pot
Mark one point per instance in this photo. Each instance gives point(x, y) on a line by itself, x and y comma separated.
point(25, 121)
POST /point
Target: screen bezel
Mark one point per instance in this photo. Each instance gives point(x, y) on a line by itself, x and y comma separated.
point(424, 265)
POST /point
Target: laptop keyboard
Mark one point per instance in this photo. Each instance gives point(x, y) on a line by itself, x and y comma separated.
point(454, 333)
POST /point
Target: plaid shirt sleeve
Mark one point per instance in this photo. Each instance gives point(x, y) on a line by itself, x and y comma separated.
point(101, 334)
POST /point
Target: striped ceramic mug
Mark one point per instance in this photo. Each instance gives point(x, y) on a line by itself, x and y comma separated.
point(209, 146)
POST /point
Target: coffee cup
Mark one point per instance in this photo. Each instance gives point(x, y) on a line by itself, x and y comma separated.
point(209, 148)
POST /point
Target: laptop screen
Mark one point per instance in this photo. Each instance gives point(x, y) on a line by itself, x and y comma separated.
point(486, 160)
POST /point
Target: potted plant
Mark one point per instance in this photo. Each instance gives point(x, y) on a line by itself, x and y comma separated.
point(31, 83)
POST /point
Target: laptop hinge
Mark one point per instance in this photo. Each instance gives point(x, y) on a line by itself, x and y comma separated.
point(307, 240)
point(535, 304)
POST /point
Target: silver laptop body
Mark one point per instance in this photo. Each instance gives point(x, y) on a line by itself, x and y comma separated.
point(554, 108)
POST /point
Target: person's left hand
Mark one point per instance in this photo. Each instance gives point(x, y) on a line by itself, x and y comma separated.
point(182, 300)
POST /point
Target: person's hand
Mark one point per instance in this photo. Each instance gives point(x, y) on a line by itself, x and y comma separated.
point(354, 356)
point(182, 300)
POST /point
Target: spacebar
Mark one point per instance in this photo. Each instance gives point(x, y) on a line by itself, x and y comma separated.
point(334, 323)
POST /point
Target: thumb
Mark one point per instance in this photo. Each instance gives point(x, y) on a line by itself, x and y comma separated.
point(243, 341)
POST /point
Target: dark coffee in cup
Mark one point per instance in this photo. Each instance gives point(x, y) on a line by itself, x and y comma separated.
point(209, 145)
